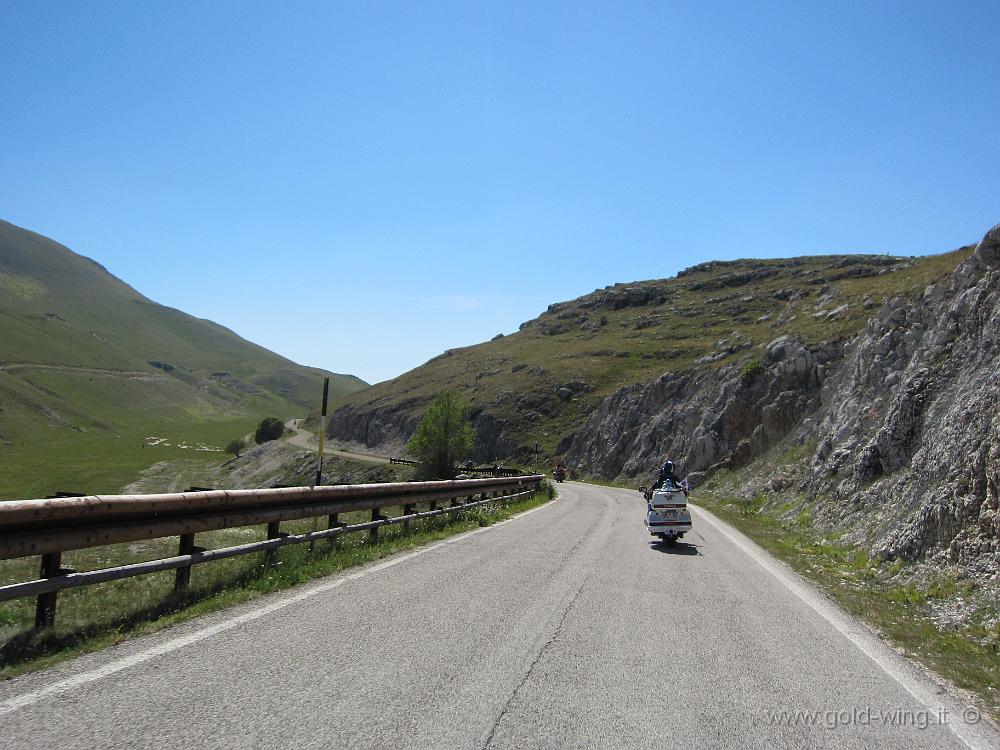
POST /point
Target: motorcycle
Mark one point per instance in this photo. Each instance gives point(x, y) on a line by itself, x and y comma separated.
point(559, 474)
point(667, 514)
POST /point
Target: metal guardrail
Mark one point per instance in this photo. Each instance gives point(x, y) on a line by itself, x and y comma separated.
point(53, 526)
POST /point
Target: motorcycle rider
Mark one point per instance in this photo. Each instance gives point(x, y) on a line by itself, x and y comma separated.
point(667, 474)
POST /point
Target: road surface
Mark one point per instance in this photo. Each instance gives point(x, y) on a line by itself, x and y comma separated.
point(564, 627)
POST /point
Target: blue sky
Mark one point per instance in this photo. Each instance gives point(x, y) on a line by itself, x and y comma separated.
point(401, 178)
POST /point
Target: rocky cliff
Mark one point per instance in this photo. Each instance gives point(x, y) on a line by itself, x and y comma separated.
point(908, 440)
point(891, 435)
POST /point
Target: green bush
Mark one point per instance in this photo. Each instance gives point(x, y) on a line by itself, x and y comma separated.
point(750, 371)
point(270, 428)
point(236, 446)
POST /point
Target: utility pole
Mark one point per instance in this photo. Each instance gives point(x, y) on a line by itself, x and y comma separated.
point(322, 432)
point(319, 458)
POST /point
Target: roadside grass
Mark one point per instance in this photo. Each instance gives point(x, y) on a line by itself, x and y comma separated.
point(94, 617)
point(870, 590)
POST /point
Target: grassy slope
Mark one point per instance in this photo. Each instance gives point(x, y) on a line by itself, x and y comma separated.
point(588, 340)
point(79, 392)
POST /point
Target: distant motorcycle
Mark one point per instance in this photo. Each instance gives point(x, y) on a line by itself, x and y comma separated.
point(667, 514)
point(559, 474)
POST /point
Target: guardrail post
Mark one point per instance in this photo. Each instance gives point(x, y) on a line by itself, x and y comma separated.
point(433, 505)
point(407, 510)
point(182, 576)
point(273, 532)
point(373, 532)
point(333, 522)
point(45, 607)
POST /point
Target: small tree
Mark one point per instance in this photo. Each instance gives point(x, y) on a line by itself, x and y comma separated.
point(236, 446)
point(443, 438)
point(271, 428)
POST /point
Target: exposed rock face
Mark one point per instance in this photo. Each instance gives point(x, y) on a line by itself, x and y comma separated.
point(903, 420)
point(619, 296)
point(388, 428)
point(384, 427)
point(491, 441)
point(988, 250)
point(909, 438)
point(704, 422)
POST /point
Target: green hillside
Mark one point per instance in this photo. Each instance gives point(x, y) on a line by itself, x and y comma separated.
point(542, 382)
point(89, 368)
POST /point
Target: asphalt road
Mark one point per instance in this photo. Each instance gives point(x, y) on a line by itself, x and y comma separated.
point(565, 627)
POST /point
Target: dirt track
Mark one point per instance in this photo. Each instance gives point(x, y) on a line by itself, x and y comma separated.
point(305, 439)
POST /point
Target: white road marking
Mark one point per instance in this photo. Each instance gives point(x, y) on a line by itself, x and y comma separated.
point(870, 644)
point(127, 662)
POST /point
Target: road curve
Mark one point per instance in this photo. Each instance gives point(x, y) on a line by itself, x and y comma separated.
point(564, 627)
point(302, 438)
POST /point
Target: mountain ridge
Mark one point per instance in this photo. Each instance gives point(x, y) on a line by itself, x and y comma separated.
point(541, 383)
point(85, 357)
